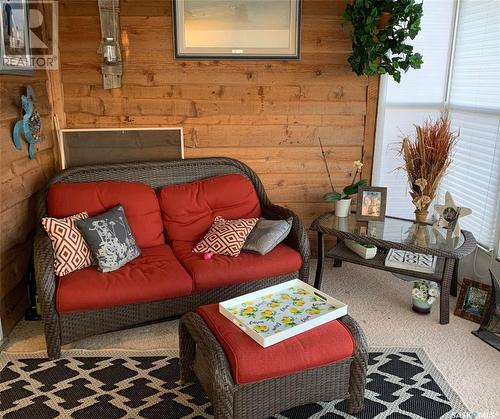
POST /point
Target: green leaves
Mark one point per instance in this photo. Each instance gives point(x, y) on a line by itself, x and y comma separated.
point(383, 50)
point(353, 189)
point(346, 193)
point(332, 196)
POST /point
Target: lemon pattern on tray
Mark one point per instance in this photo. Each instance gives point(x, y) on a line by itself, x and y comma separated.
point(273, 313)
point(267, 315)
point(249, 311)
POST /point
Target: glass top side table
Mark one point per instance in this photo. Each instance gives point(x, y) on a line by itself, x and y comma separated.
point(395, 233)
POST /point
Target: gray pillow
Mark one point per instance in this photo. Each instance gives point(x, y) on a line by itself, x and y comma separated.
point(110, 239)
point(266, 235)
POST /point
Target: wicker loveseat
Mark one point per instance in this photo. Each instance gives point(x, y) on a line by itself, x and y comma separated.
point(65, 327)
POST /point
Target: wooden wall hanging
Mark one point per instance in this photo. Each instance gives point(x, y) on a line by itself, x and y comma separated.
point(112, 68)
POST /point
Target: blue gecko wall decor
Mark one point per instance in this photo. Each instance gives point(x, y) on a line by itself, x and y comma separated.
point(29, 127)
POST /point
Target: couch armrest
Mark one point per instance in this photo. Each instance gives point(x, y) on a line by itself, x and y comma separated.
point(297, 239)
point(46, 288)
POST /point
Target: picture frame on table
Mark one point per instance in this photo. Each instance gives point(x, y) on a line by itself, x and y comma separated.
point(247, 29)
point(473, 300)
point(15, 43)
point(371, 203)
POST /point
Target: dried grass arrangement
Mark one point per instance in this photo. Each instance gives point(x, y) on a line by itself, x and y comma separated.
point(426, 159)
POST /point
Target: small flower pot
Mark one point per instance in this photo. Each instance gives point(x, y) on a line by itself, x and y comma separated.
point(421, 306)
point(343, 207)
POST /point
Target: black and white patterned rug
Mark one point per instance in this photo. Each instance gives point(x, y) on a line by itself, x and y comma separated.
point(402, 383)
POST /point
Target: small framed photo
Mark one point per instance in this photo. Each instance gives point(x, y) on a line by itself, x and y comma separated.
point(371, 203)
point(473, 301)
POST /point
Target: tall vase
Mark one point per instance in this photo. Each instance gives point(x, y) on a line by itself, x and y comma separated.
point(421, 215)
point(342, 207)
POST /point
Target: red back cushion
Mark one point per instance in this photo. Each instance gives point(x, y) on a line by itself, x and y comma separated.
point(138, 200)
point(188, 210)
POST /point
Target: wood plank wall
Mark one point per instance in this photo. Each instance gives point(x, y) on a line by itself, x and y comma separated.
point(269, 114)
point(21, 178)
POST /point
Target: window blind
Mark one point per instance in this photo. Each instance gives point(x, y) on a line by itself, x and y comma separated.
point(476, 66)
point(420, 95)
point(474, 104)
point(428, 84)
point(474, 177)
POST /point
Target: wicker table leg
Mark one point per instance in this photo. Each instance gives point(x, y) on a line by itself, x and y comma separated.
point(444, 306)
point(321, 261)
point(454, 281)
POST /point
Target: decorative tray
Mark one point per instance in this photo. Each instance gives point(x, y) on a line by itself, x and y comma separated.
point(404, 259)
point(276, 313)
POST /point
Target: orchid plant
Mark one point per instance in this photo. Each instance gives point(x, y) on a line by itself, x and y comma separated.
point(425, 291)
point(349, 190)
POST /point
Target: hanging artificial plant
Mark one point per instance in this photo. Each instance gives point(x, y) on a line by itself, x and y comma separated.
point(380, 30)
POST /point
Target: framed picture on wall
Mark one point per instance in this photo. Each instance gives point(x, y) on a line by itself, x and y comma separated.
point(371, 203)
point(237, 29)
point(15, 38)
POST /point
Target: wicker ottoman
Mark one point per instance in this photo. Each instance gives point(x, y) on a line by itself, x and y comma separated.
point(247, 384)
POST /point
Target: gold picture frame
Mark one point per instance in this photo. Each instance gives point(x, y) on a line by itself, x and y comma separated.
point(246, 29)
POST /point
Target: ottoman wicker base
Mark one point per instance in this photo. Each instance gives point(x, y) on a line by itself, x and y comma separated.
point(202, 358)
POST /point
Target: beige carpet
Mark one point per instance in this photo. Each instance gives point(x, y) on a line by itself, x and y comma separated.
point(382, 305)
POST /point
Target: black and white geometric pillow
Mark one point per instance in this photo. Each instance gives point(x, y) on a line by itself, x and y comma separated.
point(110, 239)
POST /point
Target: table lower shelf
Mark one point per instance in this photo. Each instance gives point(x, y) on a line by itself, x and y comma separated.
point(342, 252)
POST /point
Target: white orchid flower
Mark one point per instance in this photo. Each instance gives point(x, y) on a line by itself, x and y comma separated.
point(430, 300)
point(358, 164)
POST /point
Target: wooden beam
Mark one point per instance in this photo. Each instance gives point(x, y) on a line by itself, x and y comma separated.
point(370, 126)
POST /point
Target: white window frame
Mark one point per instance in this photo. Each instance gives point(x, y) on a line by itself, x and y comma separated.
point(445, 104)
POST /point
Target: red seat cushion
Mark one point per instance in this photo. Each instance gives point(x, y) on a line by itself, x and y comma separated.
point(138, 199)
point(188, 210)
point(251, 362)
point(222, 271)
point(155, 275)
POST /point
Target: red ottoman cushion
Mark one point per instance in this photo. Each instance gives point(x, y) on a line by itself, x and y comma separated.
point(138, 200)
point(155, 275)
point(189, 209)
point(251, 362)
point(222, 271)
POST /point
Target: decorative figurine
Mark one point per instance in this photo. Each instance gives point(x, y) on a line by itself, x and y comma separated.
point(29, 127)
point(449, 214)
